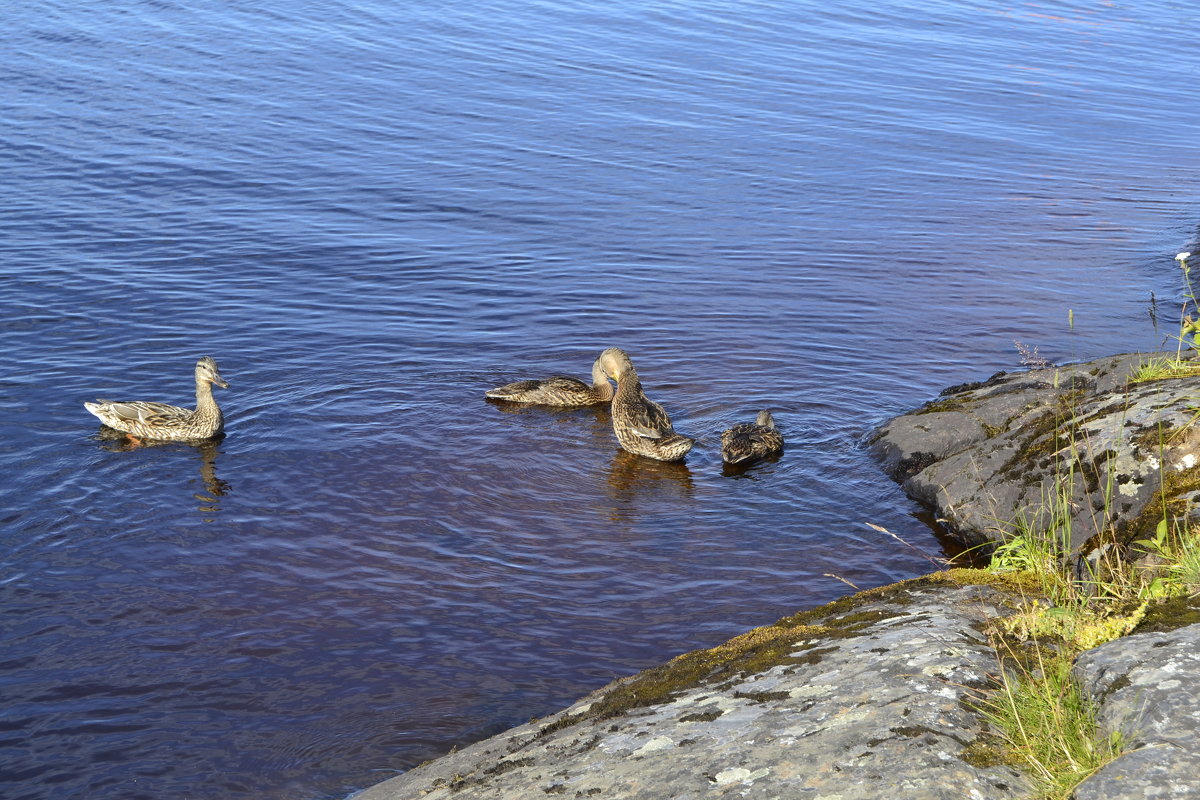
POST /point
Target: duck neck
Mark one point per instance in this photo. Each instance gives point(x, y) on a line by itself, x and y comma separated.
point(630, 383)
point(206, 404)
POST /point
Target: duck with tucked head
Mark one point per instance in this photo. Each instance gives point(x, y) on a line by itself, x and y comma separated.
point(641, 425)
point(752, 441)
point(557, 391)
point(163, 422)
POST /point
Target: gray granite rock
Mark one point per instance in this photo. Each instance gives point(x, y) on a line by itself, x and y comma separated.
point(1148, 686)
point(855, 701)
point(983, 455)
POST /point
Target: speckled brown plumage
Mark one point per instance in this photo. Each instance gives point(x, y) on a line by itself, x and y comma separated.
point(641, 425)
point(557, 391)
point(751, 441)
point(163, 422)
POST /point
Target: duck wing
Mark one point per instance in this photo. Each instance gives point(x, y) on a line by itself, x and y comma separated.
point(121, 414)
point(649, 420)
point(737, 443)
point(558, 390)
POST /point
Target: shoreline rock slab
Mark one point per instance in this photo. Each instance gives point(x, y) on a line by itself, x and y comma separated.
point(861, 699)
point(1078, 439)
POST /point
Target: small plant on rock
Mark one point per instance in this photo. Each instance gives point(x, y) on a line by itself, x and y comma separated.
point(1163, 367)
point(1175, 552)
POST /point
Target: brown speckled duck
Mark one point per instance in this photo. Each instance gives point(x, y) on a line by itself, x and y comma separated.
point(751, 441)
point(641, 425)
point(162, 422)
point(557, 391)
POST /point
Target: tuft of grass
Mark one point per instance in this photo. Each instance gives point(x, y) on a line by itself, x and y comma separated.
point(1048, 724)
point(1161, 368)
point(1039, 551)
point(1186, 568)
point(1044, 720)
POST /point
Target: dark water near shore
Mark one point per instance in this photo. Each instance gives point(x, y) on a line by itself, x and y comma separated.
point(370, 212)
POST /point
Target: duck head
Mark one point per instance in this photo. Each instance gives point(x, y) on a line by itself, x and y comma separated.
point(614, 362)
point(206, 370)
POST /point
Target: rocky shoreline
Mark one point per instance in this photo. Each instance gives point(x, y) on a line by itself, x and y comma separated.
point(873, 695)
point(868, 697)
point(982, 455)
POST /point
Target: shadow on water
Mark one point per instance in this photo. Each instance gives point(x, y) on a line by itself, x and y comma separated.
point(215, 488)
point(515, 408)
point(751, 470)
point(597, 419)
point(956, 553)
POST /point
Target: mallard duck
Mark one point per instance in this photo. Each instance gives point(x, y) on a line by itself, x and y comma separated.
point(164, 422)
point(750, 441)
point(557, 391)
point(641, 425)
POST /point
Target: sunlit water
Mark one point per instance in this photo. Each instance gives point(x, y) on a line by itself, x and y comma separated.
point(371, 212)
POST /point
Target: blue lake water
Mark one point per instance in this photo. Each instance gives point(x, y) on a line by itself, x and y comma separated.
point(370, 212)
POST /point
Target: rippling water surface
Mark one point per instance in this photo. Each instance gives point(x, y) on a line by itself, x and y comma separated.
point(371, 212)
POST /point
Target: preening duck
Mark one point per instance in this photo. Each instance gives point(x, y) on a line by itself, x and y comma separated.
point(163, 422)
point(641, 425)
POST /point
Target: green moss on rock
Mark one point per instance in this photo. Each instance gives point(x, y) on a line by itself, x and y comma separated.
point(1151, 437)
point(1169, 615)
point(987, 751)
point(762, 697)
point(943, 404)
point(1045, 435)
point(501, 767)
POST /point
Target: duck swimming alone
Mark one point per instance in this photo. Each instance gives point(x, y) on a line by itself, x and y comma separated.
point(641, 425)
point(164, 422)
point(751, 441)
point(557, 391)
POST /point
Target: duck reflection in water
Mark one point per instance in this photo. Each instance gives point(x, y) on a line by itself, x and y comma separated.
point(208, 474)
point(634, 480)
point(595, 419)
point(117, 442)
